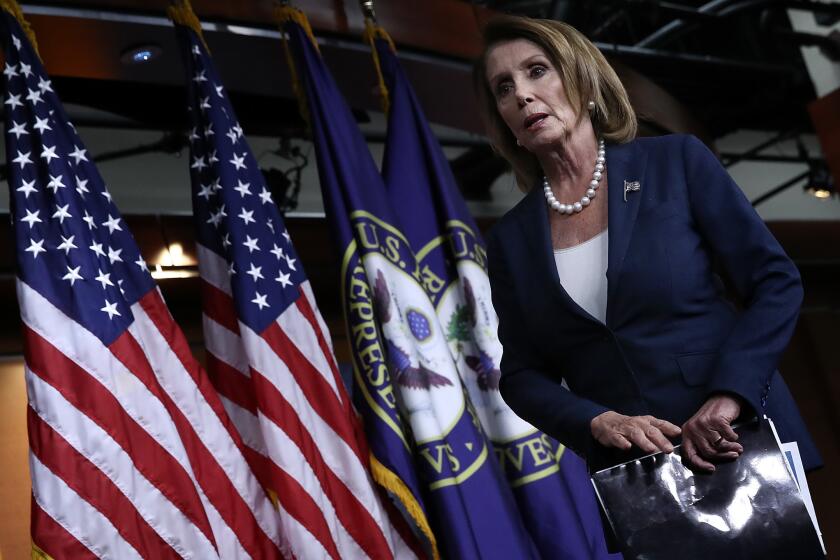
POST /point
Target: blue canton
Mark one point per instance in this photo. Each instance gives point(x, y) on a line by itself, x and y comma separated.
point(234, 212)
point(73, 246)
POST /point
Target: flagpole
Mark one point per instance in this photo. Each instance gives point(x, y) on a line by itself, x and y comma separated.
point(372, 32)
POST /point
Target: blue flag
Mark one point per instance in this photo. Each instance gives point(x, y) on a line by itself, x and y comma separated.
point(551, 484)
point(427, 443)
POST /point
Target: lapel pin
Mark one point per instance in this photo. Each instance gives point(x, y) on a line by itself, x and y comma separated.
point(630, 186)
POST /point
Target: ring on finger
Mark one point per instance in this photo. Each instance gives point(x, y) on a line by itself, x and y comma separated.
point(718, 441)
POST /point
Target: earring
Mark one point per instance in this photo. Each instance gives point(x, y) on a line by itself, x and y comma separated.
point(518, 143)
point(591, 105)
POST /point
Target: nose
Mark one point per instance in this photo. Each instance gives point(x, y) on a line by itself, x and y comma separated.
point(523, 99)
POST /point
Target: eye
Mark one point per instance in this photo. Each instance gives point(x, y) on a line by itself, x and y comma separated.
point(537, 70)
point(503, 88)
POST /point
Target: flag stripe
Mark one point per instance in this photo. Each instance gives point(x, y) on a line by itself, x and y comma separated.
point(351, 512)
point(231, 384)
point(54, 539)
point(218, 305)
point(93, 486)
point(76, 516)
point(85, 394)
point(236, 494)
point(307, 309)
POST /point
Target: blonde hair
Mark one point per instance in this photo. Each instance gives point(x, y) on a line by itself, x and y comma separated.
point(586, 76)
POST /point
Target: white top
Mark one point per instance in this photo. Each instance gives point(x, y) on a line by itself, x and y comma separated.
point(583, 274)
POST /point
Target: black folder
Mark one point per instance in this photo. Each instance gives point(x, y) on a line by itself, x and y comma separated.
point(747, 509)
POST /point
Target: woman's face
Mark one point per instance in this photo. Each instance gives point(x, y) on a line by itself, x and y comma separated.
point(529, 95)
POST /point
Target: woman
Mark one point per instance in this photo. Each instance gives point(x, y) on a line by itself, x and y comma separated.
point(602, 274)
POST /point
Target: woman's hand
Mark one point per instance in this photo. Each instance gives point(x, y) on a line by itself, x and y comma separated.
point(708, 435)
point(649, 434)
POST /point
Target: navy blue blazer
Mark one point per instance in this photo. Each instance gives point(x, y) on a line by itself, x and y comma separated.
point(671, 338)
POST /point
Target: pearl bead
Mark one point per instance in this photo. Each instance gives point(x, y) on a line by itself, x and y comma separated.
point(595, 188)
point(578, 206)
point(597, 175)
point(593, 183)
point(585, 201)
point(590, 193)
point(556, 205)
point(599, 167)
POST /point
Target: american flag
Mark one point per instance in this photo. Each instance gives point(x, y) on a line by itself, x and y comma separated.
point(132, 453)
point(269, 351)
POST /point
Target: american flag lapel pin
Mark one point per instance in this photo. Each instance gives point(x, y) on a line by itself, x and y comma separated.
point(630, 186)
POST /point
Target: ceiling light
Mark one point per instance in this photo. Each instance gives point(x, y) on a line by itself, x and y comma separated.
point(140, 54)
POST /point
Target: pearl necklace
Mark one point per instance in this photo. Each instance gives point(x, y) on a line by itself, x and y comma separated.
point(590, 192)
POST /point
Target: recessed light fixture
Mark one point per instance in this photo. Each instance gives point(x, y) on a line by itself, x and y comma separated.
point(140, 54)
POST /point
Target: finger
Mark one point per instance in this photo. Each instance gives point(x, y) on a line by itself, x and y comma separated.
point(693, 459)
point(637, 435)
point(725, 447)
point(659, 439)
point(670, 430)
point(723, 428)
point(618, 440)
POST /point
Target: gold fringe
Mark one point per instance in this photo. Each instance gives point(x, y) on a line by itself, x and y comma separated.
point(181, 12)
point(14, 8)
point(373, 32)
point(392, 483)
point(284, 14)
point(38, 554)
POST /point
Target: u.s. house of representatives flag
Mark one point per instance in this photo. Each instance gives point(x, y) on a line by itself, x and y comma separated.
point(132, 454)
point(417, 414)
point(268, 350)
point(551, 484)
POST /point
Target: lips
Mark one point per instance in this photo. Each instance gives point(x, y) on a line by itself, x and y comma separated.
point(531, 120)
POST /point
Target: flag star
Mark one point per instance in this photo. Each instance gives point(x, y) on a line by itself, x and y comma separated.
point(231, 270)
point(67, 244)
point(196, 50)
point(234, 138)
point(81, 186)
point(206, 192)
point(205, 103)
point(114, 255)
point(247, 216)
point(72, 274)
point(107, 195)
point(35, 247)
point(260, 300)
point(226, 241)
point(78, 154)
point(26, 69)
point(242, 188)
point(283, 279)
point(291, 262)
point(44, 85)
point(27, 187)
point(89, 221)
point(49, 154)
point(255, 272)
point(287, 236)
point(97, 248)
point(237, 129)
point(16, 41)
point(251, 244)
point(217, 184)
point(31, 218)
point(211, 157)
point(119, 285)
point(216, 218)
point(208, 130)
point(34, 96)
point(239, 162)
point(193, 136)
point(41, 124)
point(277, 251)
point(14, 101)
point(111, 309)
point(219, 91)
point(104, 279)
point(18, 129)
point(198, 163)
point(56, 182)
point(61, 213)
point(10, 71)
point(270, 224)
point(265, 196)
point(142, 264)
point(112, 224)
point(200, 77)
point(22, 159)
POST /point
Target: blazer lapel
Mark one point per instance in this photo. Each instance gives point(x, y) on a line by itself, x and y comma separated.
point(625, 173)
point(534, 223)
